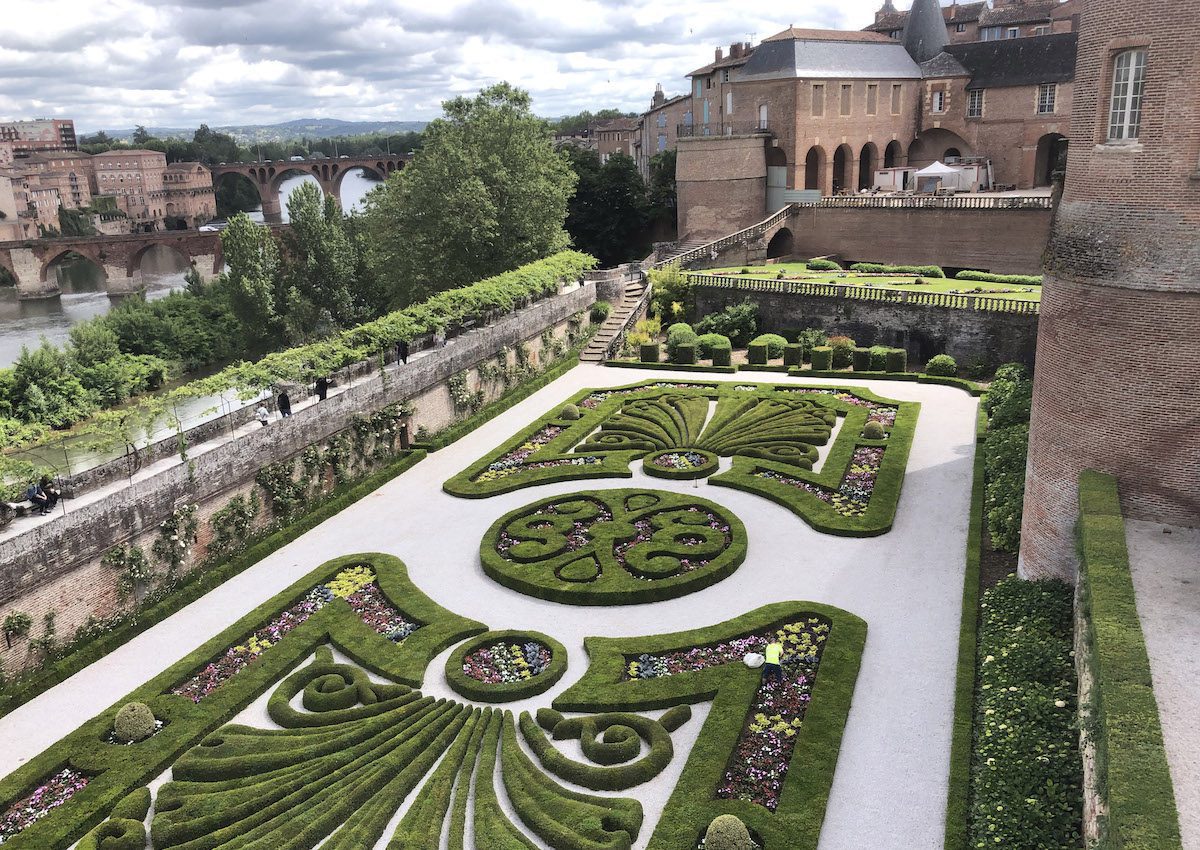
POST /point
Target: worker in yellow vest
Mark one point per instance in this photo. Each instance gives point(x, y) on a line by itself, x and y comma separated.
point(773, 666)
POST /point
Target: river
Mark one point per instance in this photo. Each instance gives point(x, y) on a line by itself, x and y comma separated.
point(25, 323)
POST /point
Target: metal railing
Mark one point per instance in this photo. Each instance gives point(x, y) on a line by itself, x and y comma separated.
point(955, 202)
point(723, 128)
point(867, 293)
point(746, 233)
point(639, 307)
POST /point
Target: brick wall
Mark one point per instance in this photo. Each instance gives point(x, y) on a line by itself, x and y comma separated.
point(56, 566)
point(1120, 324)
point(969, 336)
point(721, 184)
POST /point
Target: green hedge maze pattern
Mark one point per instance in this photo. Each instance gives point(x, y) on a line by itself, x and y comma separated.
point(771, 432)
point(613, 547)
point(358, 756)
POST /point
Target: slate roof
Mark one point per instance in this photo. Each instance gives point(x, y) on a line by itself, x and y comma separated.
point(943, 65)
point(1026, 13)
point(823, 57)
point(793, 33)
point(955, 14)
point(925, 33)
point(1017, 61)
point(727, 62)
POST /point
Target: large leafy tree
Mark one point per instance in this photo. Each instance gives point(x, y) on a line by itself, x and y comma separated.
point(661, 195)
point(608, 215)
point(253, 278)
point(486, 193)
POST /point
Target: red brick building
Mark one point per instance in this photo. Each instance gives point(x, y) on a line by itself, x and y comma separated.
point(614, 135)
point(1004, 19)
point(1120, 315)
point(44, 134)
point(658, 127)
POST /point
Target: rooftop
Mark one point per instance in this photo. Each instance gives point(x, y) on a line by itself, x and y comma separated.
point(955, 14)
point(794, 34)
point(830, 56)
point(1023, 13)
point(1010, 62)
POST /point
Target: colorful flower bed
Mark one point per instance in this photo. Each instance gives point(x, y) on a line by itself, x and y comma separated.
point(759, 763)
point(682, 461)
point(645, 533)
point(680, 464)
point(577, 535)
point(853, 497)
point(48, 796)
point(597, 398)
point(356, 585)
point(507, 662)
point(516, 460)
point(884, 414)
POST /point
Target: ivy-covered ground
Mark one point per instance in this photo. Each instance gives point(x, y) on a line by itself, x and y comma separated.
point(567, 776)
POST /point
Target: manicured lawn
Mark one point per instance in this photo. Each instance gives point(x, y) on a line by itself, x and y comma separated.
point(903, 282)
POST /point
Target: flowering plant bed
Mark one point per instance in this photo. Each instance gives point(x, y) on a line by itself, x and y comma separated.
point(505, 666)
point(613, 547)
point(679, 429)
point(50, 793)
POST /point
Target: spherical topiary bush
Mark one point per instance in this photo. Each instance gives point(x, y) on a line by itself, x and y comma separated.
point(135, 722)
point(727, 832)
point(705, 343)
point(873, 430)
point(569, 412)
point(943, 366)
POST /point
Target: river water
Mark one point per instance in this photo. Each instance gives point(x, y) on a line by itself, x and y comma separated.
point(25, 323)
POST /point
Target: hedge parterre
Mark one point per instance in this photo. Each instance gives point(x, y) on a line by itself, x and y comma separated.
point(763, 428)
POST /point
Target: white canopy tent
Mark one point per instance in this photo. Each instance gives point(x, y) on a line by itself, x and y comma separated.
point(950, 177)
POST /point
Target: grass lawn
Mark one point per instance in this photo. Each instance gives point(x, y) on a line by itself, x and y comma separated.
point(905, 282)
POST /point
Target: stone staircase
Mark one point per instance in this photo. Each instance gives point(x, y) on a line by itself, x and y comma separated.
point(631, 301)
point(679, 249)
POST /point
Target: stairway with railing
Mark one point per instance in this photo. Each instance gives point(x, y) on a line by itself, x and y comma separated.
point(606, 343)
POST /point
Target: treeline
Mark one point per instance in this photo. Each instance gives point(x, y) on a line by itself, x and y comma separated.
point(614, 214)
point(574, 124)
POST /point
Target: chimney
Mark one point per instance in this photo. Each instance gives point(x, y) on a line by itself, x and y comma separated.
point(659, 97)
point(719, 55)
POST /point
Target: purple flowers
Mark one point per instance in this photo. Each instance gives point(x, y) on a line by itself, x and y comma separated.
point(507, 661)
point(48, 796)
point(853, 497)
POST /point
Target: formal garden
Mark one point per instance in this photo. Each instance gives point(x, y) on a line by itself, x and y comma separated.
point(548, 634)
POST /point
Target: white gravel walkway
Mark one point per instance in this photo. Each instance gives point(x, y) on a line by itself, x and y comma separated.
point(1168, 603)
point(890, 785)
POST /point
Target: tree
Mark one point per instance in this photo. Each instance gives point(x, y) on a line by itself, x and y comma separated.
point(252, 278)
point(608, 215)
point(579, 122)
point(486, 193)
point(75, 222)
point(141, 135)
point(661, 195)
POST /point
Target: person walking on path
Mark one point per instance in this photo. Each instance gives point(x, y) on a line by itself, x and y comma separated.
point(773, 666)
point(402, 352)
point(285, 405)
point(322, 388)
point(262, 415)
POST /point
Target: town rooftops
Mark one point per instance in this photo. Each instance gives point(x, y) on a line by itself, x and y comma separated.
point(612, 125)
point(1014, 61)
point(186, 166)
point(1022, 13)
point(958, 13)
point(797, 53)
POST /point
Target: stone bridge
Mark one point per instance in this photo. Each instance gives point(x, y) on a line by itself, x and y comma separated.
point(268, 176)
point(120, 257)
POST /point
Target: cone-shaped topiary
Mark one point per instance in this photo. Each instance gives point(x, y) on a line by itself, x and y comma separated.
point(569, 412)
point(135, 722)
point(727, 832)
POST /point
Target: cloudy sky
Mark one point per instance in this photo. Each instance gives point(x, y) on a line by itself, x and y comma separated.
point(117, 63)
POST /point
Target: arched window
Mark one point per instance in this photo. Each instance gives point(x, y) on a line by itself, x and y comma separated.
point(1125, 110)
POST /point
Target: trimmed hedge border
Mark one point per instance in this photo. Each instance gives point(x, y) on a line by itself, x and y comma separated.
point(667, 367)
point(619, 585)
point(604, 741)
point(796, 822)
point(1133, 777)
point(119, 770)
point(958, 796)
point(651, 469)
point(200, 581)
point(472, 689)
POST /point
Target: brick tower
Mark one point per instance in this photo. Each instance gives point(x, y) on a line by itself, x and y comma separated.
point(1118, 347)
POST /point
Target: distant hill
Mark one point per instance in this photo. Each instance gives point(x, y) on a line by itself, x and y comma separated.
point(313, 128)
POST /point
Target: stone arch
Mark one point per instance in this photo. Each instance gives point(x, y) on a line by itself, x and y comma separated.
point(278, 178)
point(843, 168)
point(932, 146)
point(814, 168)
point(868, 161)
point(892, 154)
point(1051, 156)
point(84, 252)
point(379, 174)
point(782, 244)
point(135, 258)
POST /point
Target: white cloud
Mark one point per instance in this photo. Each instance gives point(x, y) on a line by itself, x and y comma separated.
point(116, 63)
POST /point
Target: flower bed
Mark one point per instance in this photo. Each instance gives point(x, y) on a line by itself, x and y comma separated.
point(679, 464)
point(759, 763)
point(597, 398)
point(613, 547)
point(48, 796)
point(506, 665)
point(356, 585)
point(853, 497)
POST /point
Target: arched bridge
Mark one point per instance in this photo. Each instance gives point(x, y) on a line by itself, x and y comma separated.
point(268, 176)
point(120, 257)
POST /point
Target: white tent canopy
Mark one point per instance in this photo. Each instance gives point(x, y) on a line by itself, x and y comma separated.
point(938, 169)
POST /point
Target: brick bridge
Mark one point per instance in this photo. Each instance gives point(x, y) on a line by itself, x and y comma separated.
point(267, 176)
point(120, 257)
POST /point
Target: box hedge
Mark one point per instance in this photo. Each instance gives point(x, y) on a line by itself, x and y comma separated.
point(793, 354)
point(822, 358)
point(896, 360)
point(757, 354)
point(685, 353)
point(861, 359)
point(722, 355)
point(648, 352)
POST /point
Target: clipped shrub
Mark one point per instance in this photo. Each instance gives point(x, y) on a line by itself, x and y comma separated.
point(862, 359)
point(685, 352)
point(757, 353)
point(680, 332)
point(774, 343)
point(744, 271)
point(727, 832)
point(878, 354)
point(722, 356)
point(679, 327)
point(738, 322)
point(648, 352)
point(570, 411)
point(600, 311)
point(134, 722)
point(883, 268)
point(896, 360)
point(843, 351)
point(817, 264)
point(942, 365)
point(793, 354)
point(809, 338)
point(988, 277)
point(822, 358)
point(1009, 397)
point(873, 430)
point(705, 343)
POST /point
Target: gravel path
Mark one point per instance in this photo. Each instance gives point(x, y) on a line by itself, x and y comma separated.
point(890, 784)
point(1168, 602)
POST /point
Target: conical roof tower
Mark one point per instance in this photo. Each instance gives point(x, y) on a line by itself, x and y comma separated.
point(925, 33)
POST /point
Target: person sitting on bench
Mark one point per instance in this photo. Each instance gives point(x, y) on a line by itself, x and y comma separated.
point(37, 495)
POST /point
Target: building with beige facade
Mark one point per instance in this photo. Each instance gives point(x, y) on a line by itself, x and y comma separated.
point(188, 196)
point(614, 135)
point(44, 134)
point(657, 128)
